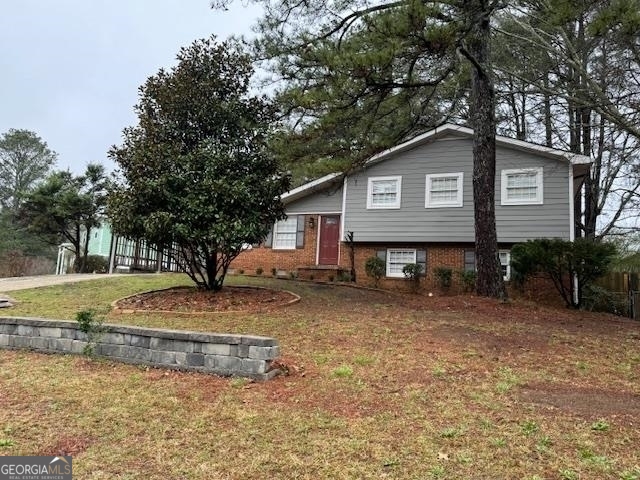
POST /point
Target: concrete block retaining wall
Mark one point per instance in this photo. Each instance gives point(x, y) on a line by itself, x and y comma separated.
point(221, 354)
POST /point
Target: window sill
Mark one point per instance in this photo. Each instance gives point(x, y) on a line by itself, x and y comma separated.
point(521, 202)
point(444, 205)
point(393, 207)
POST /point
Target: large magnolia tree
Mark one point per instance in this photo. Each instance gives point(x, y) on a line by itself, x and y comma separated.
point(196, 173)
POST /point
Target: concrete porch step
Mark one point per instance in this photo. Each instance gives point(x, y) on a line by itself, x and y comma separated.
point(320, 272)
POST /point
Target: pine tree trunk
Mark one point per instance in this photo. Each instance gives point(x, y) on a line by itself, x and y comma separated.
point(489, 282)
point(548, 130)
point(77, 245)
point(85, 253)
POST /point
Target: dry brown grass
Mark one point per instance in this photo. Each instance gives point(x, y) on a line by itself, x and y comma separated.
point(380, 386)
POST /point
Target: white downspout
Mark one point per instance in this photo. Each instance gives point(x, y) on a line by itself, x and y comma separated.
point(572, 227)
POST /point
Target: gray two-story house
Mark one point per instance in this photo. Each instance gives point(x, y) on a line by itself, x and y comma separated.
point(413, 203)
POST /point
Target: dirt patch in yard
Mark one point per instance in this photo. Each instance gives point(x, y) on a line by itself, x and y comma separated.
point(584, 401)
point(67, 446)
point(194, 300)
point(491, 343)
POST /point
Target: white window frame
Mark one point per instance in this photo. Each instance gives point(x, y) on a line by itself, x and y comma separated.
point(458, 202)
point(274, 240)
point(529, 201)
point(396, 204)
point(507, 276)
point(403, 250)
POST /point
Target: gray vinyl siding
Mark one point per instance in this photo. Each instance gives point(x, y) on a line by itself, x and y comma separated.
point(328, 200)
point(412, 222)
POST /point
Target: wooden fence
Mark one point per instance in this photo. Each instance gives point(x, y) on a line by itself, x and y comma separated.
point(624, 288)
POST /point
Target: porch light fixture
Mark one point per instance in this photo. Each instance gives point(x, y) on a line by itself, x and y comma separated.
point(312, 222)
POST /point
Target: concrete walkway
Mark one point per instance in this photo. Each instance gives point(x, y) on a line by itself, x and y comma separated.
point(22, 283)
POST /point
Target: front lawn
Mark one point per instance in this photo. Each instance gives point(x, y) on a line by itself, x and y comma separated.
point(379, 386)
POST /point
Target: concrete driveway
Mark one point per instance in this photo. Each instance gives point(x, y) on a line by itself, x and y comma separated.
point(22, 283)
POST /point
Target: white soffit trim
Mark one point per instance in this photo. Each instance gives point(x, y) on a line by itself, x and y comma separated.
point(449, 128)
point(301, 191)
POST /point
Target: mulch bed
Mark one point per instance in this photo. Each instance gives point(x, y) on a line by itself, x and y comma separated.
point(193, 300)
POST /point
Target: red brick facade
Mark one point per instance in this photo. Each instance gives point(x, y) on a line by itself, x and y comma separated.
point(287, 261)
point(302, 263)
point(437, 256)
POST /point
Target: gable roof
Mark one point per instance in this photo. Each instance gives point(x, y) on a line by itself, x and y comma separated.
point(450, 129)
point(308, 188)
point(435, 134)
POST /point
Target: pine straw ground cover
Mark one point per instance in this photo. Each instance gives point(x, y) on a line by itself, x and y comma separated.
point(379, 386)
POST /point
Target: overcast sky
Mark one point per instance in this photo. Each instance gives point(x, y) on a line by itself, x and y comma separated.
point(70, 69)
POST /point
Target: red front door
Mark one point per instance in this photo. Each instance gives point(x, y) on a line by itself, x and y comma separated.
point(329, 240)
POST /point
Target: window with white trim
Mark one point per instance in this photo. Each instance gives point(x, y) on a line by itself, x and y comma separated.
point(505, 263)
point(397, 258)
point(443, 190)
point(522, 186)
point(384, 192)
point(284, 233)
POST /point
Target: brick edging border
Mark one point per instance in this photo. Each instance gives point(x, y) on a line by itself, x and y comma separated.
point(117, 310)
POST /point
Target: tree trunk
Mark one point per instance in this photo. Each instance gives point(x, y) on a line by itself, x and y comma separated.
point(85, 253)
point(548, 135)
point(489, 282)
point(591, 184)
point(211, 267)
point(77, 245)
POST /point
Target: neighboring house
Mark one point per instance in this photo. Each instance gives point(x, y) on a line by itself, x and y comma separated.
point(100, 240)
point(413, 203)
point(121, 254)
point(99, 244)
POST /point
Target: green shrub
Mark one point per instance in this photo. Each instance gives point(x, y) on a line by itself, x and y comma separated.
point(92, 326)
point(375, 268)
point(96, 264)
point(443, 276)
point(344, 276)
point(468, 280)
point(413, 273)
point(561, 261)
point(599, 299)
